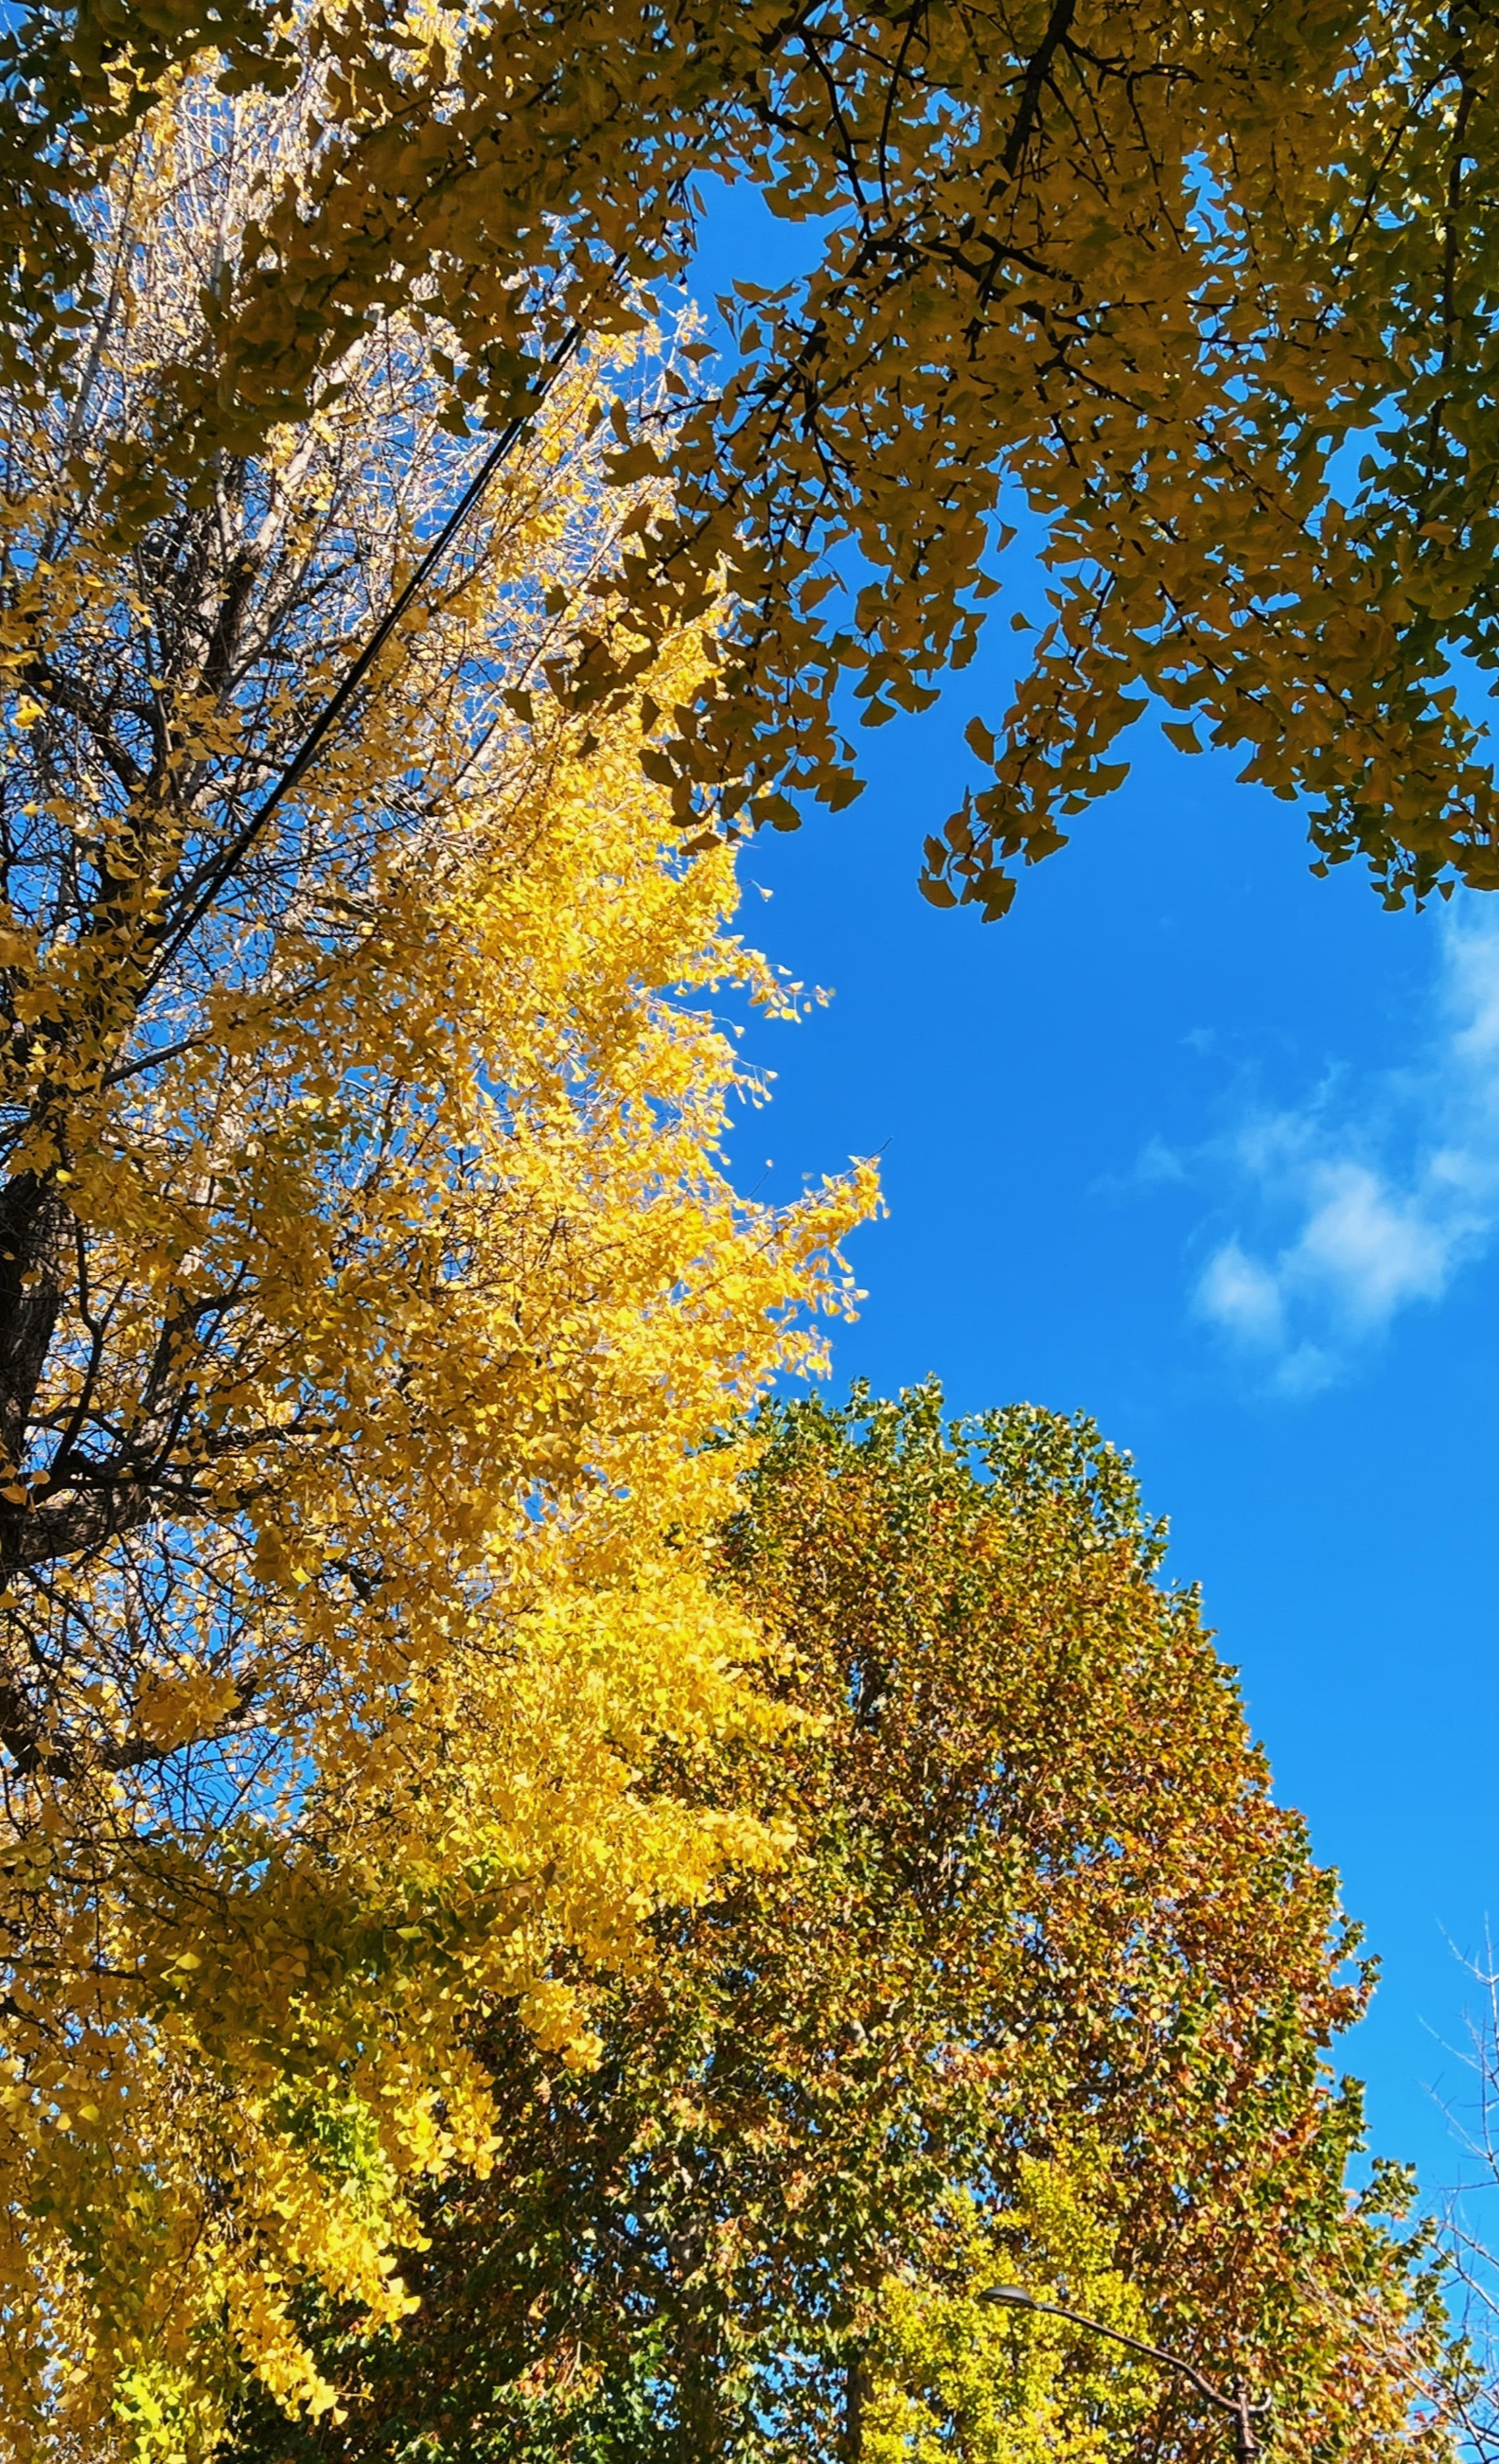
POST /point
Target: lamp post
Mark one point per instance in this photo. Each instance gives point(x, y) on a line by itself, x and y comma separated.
point(1237, 2405)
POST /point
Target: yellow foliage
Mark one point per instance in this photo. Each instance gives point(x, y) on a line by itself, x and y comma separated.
point(371, 1284)
point(1202, 295)
point(949, 2375)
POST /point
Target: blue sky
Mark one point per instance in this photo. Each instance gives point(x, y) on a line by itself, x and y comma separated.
point(1181, 1072)
point(1208, 1149)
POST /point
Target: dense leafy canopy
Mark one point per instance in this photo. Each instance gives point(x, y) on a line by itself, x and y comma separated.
point(369, 1281)
point(1044, 1994)
point(379, 605)
point(1207, 290)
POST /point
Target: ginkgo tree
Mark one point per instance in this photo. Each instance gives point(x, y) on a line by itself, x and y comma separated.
point(1207, 293)
point(370, 1279)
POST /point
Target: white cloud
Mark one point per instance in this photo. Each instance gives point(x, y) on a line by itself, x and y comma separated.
point(1367, 1199)
point(1372, 1247)
point(1242, 1295)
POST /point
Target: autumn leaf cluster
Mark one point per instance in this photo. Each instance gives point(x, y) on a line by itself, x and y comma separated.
point(1203, 296)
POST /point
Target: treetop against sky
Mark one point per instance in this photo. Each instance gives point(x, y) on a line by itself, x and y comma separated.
point(1166, 275)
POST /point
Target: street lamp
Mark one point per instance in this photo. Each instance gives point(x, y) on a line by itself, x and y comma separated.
point(1240, 2411)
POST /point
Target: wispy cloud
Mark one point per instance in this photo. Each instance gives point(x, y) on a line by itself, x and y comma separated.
point(1368, 1198)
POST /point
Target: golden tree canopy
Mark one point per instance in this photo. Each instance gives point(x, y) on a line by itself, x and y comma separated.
point(370, 1279)
point(1205, 292)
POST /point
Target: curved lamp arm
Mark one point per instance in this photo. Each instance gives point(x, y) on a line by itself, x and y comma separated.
point(1237, 2407)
